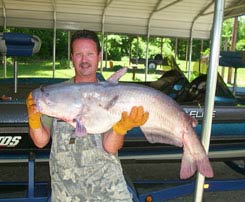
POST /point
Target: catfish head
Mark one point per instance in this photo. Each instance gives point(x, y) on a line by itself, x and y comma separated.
point(50, 100)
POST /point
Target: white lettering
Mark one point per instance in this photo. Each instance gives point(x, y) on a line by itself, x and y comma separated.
point(198, 114)
point(10, 141)
point(15, 141)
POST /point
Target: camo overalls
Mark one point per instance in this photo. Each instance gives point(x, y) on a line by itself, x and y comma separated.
point(81, 170)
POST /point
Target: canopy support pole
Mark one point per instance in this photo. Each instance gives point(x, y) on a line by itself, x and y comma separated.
point(137, 51)
point(190, 55)
point(147, 51)
point(107, 4)
point(69, 49)
point(211, 88)
point(176, 49)
point(191, 36)
point(54, 38)
point(15, 75)
point(156, 9)
point(4, 29)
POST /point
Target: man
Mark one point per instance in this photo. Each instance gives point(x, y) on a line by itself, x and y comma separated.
point(84, 168)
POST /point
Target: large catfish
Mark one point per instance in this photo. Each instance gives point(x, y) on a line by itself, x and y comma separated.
point(95, 107)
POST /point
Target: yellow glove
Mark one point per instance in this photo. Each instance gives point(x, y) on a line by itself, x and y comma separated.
point(137, 117)
point(34, 117)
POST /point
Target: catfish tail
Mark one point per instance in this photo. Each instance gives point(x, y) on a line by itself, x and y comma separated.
point(191, 163)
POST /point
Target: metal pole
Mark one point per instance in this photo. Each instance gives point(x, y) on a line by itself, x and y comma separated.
point(31, 175)
point(233, 46)
point(54, 38)
point(68, 48)
point(137, 51)
point(186, 55)
point(156, 9)
point(199, 65)
point(235, 83)
point(223, 68)
point(190, 56)
point(176, 48)
point(211, 88)
point(15, 76)
point(130, 38)
point(102, 42)
point(106, 55)
point(54, 48)
point(5, 66)
point(4, 30)
point(107, 4)
point(147, 52)
point(191, 34)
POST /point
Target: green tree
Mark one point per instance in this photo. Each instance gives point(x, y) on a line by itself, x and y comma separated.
point(114, 43)
point(240, 45)
point(227, 33)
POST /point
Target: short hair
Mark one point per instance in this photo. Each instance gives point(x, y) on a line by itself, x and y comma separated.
point(86, 34)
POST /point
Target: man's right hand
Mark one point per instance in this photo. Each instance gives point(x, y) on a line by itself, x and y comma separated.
point(33, 116)
point(137, 117)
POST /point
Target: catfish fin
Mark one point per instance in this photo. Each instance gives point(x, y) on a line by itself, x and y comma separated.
point(112, 102)
point(89, 117)
point(154, 136)
point(114, 78)
point(80, 130)
point(192, 120)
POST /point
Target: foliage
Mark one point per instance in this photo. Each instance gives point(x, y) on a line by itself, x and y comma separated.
point(182, 48)
point(241, 45)
point(241, 28)
point(117, 46)
point(205, 52)
point(227, 29)
point(227, 34)
point(138, 47)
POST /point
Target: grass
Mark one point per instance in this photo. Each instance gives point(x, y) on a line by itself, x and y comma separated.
point(39, 69)
point(44, 69)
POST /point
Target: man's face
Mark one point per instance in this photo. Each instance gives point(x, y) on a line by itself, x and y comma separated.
point(85, 57)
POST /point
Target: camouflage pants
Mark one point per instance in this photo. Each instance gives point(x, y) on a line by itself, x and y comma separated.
point(83, 171)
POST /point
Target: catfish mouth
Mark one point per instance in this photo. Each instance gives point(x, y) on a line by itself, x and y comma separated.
point(43, 91)
point(40, 98)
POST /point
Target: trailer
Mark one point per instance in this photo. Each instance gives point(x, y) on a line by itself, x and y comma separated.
point(227, 139)
point(152, 62)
